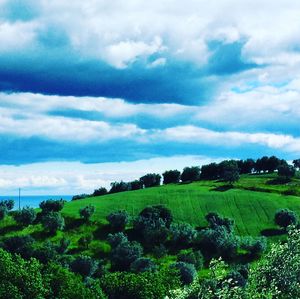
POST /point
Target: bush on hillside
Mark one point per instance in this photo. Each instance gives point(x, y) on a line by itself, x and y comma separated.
point(119, 187)
point(229, 171)
point(116, 239)
point(190, 174)
point(217, 242)
point(22, 245)
point(255, 246)
point(285, 217)
point(286, 171)
point(182, 234)
point(187, 272)
point(210, 171)
point(143, 264)
point(136, 185)
point(214, 220)
point(191, 257)
point(80, 196)
point(51, 205)
point(124, 254)
point(87, 212)
point(46, 252)
point(150, 180)
point(84, 265)
point(171, 177)
point(99, 192)
point(26, 216)
point(52, 222)
point(8, 203)
point(158, 212)
point(118, 220)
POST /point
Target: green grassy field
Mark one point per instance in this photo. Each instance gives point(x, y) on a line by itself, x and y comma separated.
point(253, 211)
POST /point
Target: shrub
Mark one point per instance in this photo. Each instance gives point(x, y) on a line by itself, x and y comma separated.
point(26, 216)
point(85, 241)
point(53, 221)
point(191, 257)
point(80, 196)
point(286, 171)
point(8, 203)
point(84, 265)
point(158, 211)
point(229, 171)
point(118, 220)
point(210, 171)
point(119, 187)
point(218, 242)
point(152, 231)
point(182, 235)
point(285, 217)
point(51, 205)
point(190, 174)
point(99, 192)
point(255, 246)
point(214, 220)
point(153, 224)
point(187, 272)
point(115, 239)
point(124, 254)
point(20, 245)
point(46, 253)
point(143, 264)
point(87, 212)
point(171, 177)
point(136, 185)
point(150, 180)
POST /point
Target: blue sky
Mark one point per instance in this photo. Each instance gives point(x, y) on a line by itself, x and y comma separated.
point(97, 82)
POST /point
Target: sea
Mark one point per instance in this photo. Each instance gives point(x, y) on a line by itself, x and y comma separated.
point(33, 201)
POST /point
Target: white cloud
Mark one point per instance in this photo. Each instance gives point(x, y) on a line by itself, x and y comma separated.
point(125, 52)
point(66, 129)
point(255, 108)
point(16, 36)
point(192, 134)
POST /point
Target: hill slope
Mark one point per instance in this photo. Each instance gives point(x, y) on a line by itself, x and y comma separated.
point(252, 211)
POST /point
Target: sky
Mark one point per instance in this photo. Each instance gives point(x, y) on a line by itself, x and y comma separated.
point(96, 91)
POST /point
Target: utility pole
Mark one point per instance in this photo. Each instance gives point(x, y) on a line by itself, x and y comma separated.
point(19, 199)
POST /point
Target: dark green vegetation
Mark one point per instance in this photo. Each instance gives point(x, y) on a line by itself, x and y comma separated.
point(152, 240)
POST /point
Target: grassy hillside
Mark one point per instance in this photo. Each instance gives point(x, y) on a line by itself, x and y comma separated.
point(252, 211)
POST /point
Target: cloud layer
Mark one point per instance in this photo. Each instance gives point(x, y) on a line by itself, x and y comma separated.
point(111, 81)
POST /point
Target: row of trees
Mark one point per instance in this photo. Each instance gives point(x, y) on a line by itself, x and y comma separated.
point(228, 171)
